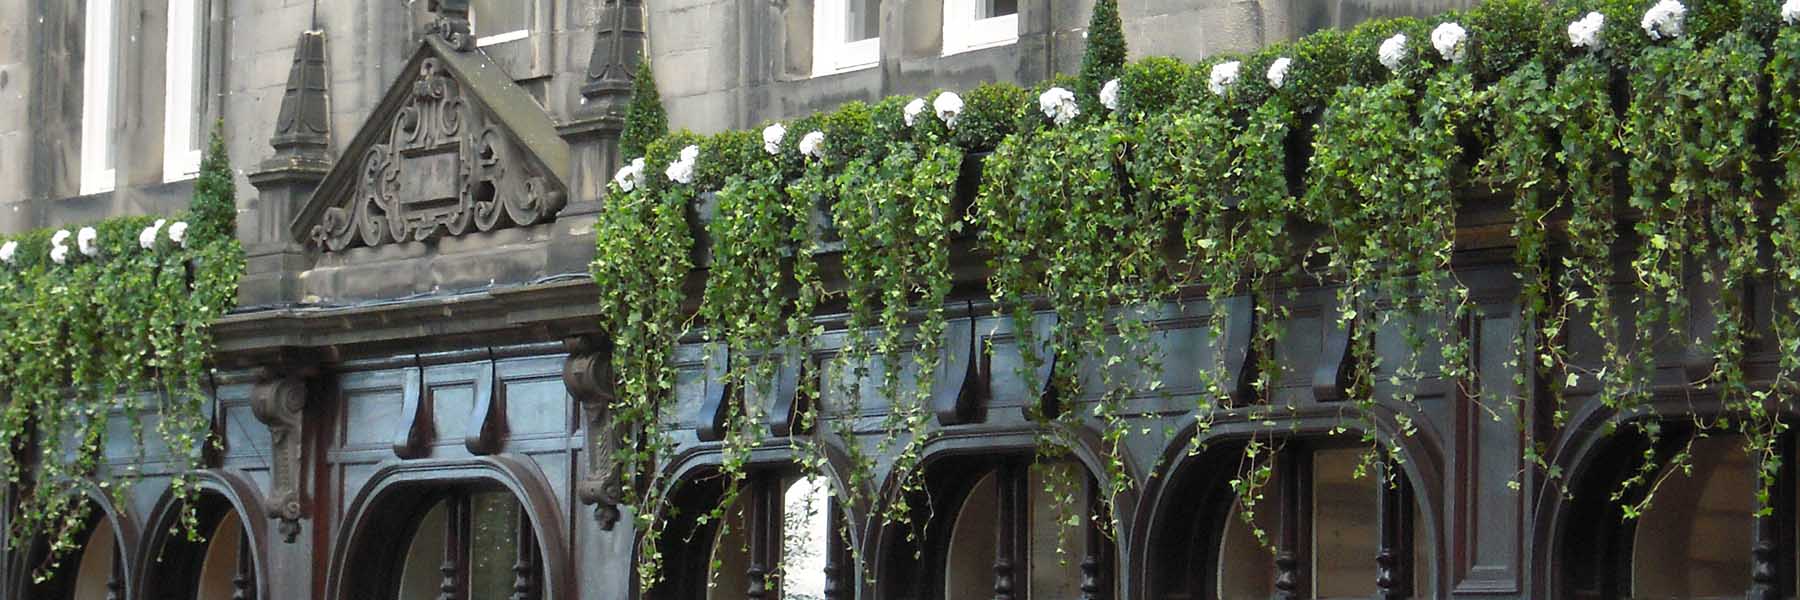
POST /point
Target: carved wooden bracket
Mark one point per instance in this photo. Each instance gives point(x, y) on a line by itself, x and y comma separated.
point(713, 407)
point(961, 378)
point(487, 421)
point(413, 438)
point(788, 401)
point(1238, 358)
point(1331, 378)
point(1038, 389)
point(279, 401)
point(587, 373)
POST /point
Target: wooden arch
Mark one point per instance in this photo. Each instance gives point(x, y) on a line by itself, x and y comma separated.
point(367, 524)
point(233, 488)
point(18, 582)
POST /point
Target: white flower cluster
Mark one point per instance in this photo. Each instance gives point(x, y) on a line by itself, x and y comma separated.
point(59, 246)
point(631, 176)
point(177, 234)
point(772, 136)
point(1109, 93)
point(9, 252)
point(1278, 71)
point(1450, 39)
point(812, 145)
point(682, 170)
point(1223, 76)
point(1665, 20)
point(1585, 33)
point(1058, 105)
point(1393, 52)
point(913, 110)
point(949, 106)
point(1790, 12)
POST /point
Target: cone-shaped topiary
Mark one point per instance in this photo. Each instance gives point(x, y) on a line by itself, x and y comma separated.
point(215, 193)
point(645, 119)
point(1105, 56)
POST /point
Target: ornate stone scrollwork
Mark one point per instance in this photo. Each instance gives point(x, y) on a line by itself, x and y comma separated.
point(444, 167)
point(279, 401)
point(587, 373)
point(452, 24)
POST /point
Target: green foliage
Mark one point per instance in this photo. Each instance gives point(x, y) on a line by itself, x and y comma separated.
point(122, 333)
point(645, 118)
point(991, 112)
point(1104, 58)
point(1504, 37)
point(1154, 86)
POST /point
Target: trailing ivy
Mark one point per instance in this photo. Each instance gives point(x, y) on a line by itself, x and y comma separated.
point(114, 323)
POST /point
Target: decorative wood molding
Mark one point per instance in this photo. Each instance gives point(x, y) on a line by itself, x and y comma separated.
point(790, 399)
point(587, 373)
point(1039, 394)
point(279, 400)
point(961, 377)
point(713, 404)
point(1237, 357)
point(1331, 378)
point(487, 419)
point(413, 437)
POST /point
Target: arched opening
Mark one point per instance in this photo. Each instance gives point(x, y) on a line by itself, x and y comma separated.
point(470, 543)
point(1303, 518)
point(783, 536)
point(986, 526)
point(215, 563)
point(94, 570)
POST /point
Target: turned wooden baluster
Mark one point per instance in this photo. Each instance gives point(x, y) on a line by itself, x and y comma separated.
point(243, 581)
point(455, 534)
point(1393, 561)
point(836, 546)
point(1289, 578)
point(525, 562)
point(1092, 577)
point(1009, 481)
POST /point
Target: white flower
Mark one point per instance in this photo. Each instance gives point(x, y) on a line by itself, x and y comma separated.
point(1790, 12)
point(638, 178)
point(1058, 104)
point(60, 254)
point(147, 237)
point(1278, 71)
point(1109, 93)
point(88, 240)
point(812, 144)
point(60, 238)
point(913, 110)
point(682, 170)
point(627, 177)
point(1664, 20)
point(178, 233)
point(1585, 33)
point(1393, 51)
point(8, 251)
point(948, 106)
point(1223, 76)
point(1448, 38)
point(772, 136)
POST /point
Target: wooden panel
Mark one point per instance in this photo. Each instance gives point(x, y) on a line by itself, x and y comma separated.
point(1489, 514)
point(371, 408)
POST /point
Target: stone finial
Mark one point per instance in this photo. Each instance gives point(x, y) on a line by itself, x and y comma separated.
point(303, 128)
point(619, 43)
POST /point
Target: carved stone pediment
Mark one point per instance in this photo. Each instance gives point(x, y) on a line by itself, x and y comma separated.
point(454, 147)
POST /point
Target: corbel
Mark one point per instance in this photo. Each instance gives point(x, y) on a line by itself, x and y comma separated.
point(452, 24)
point(413, 438)
point(279, 400)
point(714, 409)
point(487, 421)
point(588, 375)
point(1234, 346)
point(1040, 394)
point(1331, 378)
point(960, 384)
point(789, 401)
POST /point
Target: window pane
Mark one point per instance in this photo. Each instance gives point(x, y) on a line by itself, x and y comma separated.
point(864, 20)
point(420, 577)
point(805, 538)
point(970, 572)
point(493, 544)
point(1694, 540)
point(988, 9)
point(1247, 565)
point(96, 566)
point(1345, 537)
point(493, 17)
point(1054, 573)
point(221, 560)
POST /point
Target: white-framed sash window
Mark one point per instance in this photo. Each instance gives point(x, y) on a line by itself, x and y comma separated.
point(501, 21)
point(97, 70)
point(184, 90)
point(846, 35)
point(976, 24)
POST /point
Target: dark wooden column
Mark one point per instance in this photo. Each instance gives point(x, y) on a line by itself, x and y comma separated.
point(1010, 530)
point(1295, 475)
point(525, 562)
point(243, 582)
point(838, 576)
point(1394, 558)
point(454, 585)
point(1096, 578)
point(764, 533)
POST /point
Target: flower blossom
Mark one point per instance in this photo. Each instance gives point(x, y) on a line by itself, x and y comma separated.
point(1393, 51)
point(1449, 39)
point(9, 251)
point(1058, 105)
point(948, 106)
point(629, 176)
point(178, 233)
point(813, 144)
point(1223, 76)
point(682, 170)
point(1790, 12)
point(147, 237)
point(1109, 93)
point(913, 110)
point(88, 241)
point(1278, 71)
point(59, 254)
point(1664, 20)
point(1585, 33)
point(772, 136)
point(59, 246)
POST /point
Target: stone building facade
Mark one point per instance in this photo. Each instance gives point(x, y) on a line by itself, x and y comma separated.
point(409, 403)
